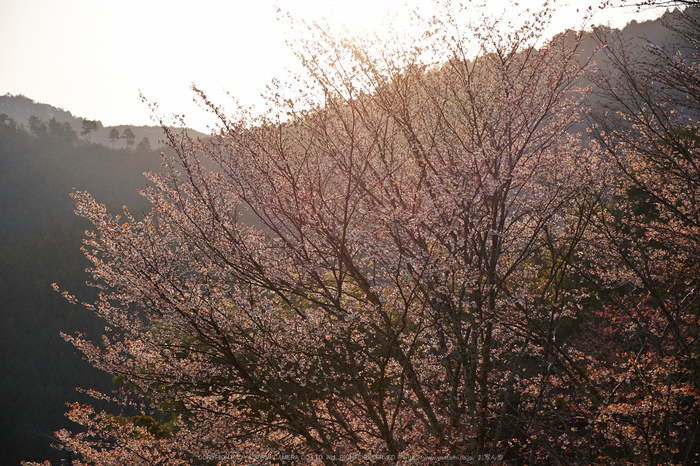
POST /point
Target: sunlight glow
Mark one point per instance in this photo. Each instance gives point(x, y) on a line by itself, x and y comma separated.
point(94, 58)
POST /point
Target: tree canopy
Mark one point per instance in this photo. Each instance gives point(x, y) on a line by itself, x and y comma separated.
point(412, 261)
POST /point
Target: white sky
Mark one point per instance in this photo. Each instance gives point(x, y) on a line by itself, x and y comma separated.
point(92, 57)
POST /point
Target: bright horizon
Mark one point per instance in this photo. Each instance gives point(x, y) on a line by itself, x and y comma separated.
point(93, 57)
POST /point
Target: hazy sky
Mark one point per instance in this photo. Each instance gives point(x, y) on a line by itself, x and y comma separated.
point(92, 57)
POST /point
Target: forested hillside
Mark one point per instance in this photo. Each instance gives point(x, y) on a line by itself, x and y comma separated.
point(474, 261)
point(40, 240)
point(32, 114)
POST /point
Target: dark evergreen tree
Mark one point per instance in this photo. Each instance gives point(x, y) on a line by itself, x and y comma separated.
point(144, 145)
point(88, 126)
point(129, 136)
point(113, 136)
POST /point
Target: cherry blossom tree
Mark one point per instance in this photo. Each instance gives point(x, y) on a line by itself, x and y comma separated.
point(374, 271)
point(648, 244)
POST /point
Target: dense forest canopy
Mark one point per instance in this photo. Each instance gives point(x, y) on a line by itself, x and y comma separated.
point(421, 262)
